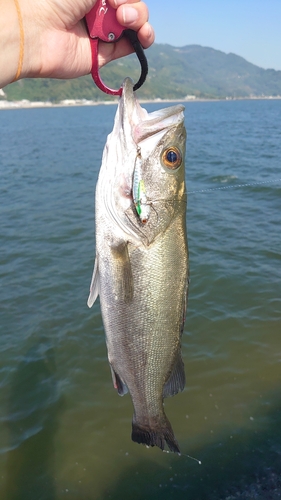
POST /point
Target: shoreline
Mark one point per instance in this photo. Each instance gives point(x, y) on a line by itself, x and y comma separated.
point(26, 104)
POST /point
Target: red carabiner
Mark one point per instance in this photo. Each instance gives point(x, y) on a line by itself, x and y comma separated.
point(103, 25)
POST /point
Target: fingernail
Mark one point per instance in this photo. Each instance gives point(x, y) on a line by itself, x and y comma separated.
point(149, 32)
point(130, 15)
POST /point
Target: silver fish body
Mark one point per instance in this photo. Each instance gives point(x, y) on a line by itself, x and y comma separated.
point(141, 266)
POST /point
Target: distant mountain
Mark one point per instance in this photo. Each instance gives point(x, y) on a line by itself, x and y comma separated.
point(174, 73)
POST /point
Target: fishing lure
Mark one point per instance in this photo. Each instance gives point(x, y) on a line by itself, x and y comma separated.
point(139, 193)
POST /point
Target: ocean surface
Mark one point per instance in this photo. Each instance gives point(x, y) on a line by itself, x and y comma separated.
point(64, 431)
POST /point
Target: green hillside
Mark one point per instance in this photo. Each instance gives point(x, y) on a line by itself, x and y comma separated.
point(173, 74)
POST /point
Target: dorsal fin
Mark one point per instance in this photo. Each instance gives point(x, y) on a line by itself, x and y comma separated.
point(176, 381)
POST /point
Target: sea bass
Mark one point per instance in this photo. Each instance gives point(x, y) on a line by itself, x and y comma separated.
point(141, 265)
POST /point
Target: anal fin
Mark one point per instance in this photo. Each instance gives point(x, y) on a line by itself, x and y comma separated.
point(121, 387)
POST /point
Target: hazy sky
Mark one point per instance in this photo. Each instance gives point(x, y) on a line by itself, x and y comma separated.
point(248, 28)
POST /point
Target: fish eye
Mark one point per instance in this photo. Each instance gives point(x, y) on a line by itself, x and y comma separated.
point(171, 158)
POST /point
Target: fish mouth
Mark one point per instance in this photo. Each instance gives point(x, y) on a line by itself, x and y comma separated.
point(145, 125)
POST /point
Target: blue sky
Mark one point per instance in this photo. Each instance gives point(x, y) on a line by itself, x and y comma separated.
point(248, 28)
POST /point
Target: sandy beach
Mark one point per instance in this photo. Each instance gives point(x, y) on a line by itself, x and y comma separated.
point(4, 104)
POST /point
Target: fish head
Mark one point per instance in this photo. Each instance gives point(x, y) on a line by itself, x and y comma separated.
point(145, 157)
point(163, 174)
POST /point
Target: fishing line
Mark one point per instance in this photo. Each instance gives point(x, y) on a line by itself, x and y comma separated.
point(236, 186)
point(192, 458)
point(207, 190)
point(184, 455)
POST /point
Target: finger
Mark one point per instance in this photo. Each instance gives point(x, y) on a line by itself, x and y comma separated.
point(117, 3)
point(146, 35)
point(132, 16)
point(111, 51)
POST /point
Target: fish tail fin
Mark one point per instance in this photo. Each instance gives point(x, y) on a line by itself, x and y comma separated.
point(156, 435)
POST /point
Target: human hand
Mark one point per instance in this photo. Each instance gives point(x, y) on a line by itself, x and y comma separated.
point(56, 42)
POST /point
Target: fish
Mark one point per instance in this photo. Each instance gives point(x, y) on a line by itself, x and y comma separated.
point(141, 264)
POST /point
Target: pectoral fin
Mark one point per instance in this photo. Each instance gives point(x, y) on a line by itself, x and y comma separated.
point(176, 381)
point(123, 282)
point(95, 285)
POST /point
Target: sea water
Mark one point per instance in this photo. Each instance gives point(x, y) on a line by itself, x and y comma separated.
point(64, 431)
